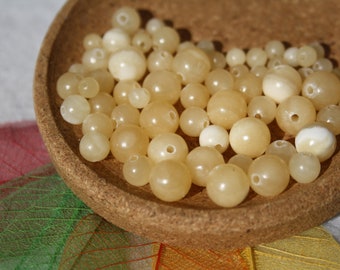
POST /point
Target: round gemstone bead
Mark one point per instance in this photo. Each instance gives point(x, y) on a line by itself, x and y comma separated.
point(274, 48)
point(242, 161)
point(281, 148)
point(323, 64)
point(104, 79)
point(126, 18)
point(92, 40)
point(269, 175)
point(194, 94)
point(99, 122)
point(306, 56)
point(96, 58)
point(219, 79)
point(122, 89)
point(330, 115)
point(193, 120)
point(165, 38)
point(153, 25)
point(200, 161)
point(74, 109)
point(115, 39)
point(214, 136)
point(249, 85)
point(159, 60)
point(304, 167)
point(170, 180)
point(235, 57)
point(142, 40)
point(94, 146)
point(103, 102)
point(262, 107)
point(167, 146)
point(217, 59)
point(259, 71)
point(67, 84)
point(227, 185)
point(88, 87)
point(256, 57)
point(249, 136)
point(125, 114)
point(290, 56)
point(139, 97)
point(238, 71)
point(137, 169)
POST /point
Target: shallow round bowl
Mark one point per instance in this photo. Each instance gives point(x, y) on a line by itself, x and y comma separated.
point(193, 221)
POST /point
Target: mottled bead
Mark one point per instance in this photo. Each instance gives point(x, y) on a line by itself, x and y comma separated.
point(330, 115)
point(88, 87)
point(242, 161)
point(323, 64)
point(238, 70)
point(104, 79)
point(217, 59)
point(193, 120)
point(290, 56)
point(92, 40)
point(99, 122)
point(94, 146)
point(249, 85)
point(125, 114)
point(96, 58)
point(304, 167)
point(262, 107)
point(281, 148)
point(256, 57)
point(74, 109)
point(122, 89)
point(137, 169)
point(274, 48)
point(116, 39)
point(153, 25)
point(306, 56)
point(165, 38)
point(219, 79)
point(194, 94)
point(159, 60)
point(214, 136)
point(259, 71)
point(139, 97)
point(103, 102)
point(67, 84)
point(126, 18)
point(235, 57)
point(142, 39)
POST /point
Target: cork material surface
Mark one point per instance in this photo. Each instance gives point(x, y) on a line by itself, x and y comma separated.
point(193, 221)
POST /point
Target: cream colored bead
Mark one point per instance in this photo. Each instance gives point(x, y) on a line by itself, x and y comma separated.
point(214, 136)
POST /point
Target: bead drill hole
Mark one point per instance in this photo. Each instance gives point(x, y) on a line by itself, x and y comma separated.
point(256, 179)
point(258, 116)
point(294, 117)
point(170, 149)
point(122, 19)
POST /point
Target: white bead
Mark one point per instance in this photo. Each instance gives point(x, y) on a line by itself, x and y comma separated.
point(139, 97)
point(290, 56)
point(74, 109)
point(214, 136)
point(235, 57)
point(316, 139)
point(153, 25)
point(115, 39)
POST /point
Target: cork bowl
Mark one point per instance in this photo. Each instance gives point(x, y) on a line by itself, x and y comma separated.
point(194, 221)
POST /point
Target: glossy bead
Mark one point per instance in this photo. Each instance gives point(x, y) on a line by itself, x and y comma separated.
point(125, 114)
point(116, 39)
point(206, 45)
point(281, 82)
point(96, 58)
point(92, 40)
point(274, 48)
point(305, 72)
point(104, 79)
point(227, 185)
point(165, 38)
point(128, 140)
point(249, 136)
point(159, 117)
point(319, 48)
point(281, 148)
point(294, 113)
point(193, 120)
point(217, 59)
point(122, 89)
point(99, 122)
point(239, 70)
point(200, 161)
point(194, 94)
point(153, 25)
point(242, 161)
point(185, 45)
point(103, 102)
point(262, 107)
point(128, 63)
point(192, 65)
point(256, 57)
point(322, 88)
point(88, 87)
point(330, 115)
point(269, 175)
point(142, 40)
point(94, 146)
point(137, 169)
point(170, 180)
point(304, 167)
point(139, 97)
point(226, 107)
point(214, 136)
point(163, 85)
point(74, 109)
point(316, 139)
point(67, 84)
point(290, 56)
point(77, 68)
point(219, 79)
point(235, 57)
point(323, 64)
point(126, 18)
point(259, 71)
point(159, 60)
point(306, 56)
point(275, 61)
point(167, 146)
point(249, 85)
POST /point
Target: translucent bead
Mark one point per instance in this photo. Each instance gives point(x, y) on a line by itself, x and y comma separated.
point(193, 120)
point(67, 84)
point(316, 139)
point(249, 136)
point(127, 64)
point(116, 39)
point(227, 185)
point(153, 25)
point(139, 97)
point(259, 71)
point(323, 64)
point(239, 70)
point(74, 109)
point(170, 180)
point(242, 161)
point(219, 79)
point(274, 48)
point(142, 40)
point(217, 59)
point(294, 113)
point(206, 45)
point(304, 167)
point(306, 56)
point(200, 161)
point(125, 114)
point(104, 79)
point(96, 58)
point(163, 85)
point(126, 18)
point(322, 88)
point(330, 115)
point(167, 146)
point(88, 87)
point(137, 169)
point(214, 136)
point(281, 148)
point(320, 50)
point(194, 94)
point(159, 117)
point(256, 57)
point(128, 140)
point(290, 56)
point(103, 102)
point(281, 82)
point(94, 146)
point(305, 72)
point(262, 107)
point(249, 85)
point(235, 57)
point(159, 60)
point(77, 68)
point(226, 107)
point(99, 122)
point(165, 38)
point(192, 65)
point(92, 40)
point(275, 61)
point(185, 45)
point(269, 175)
point(122, 89)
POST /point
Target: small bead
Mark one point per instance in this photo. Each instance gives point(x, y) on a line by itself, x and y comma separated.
point(206, 45)
point(139, 97)
point(200, 161)
point(78, 68)
point(159, 60)
point(92, 40)
point(242, 161)
point(274, 48)
point(74, 109)
point(290, 56)
point(193, 120)
point(305, 72)
point(219, 79)
point(96, 58)
point(194, 94)
point(306, 56)
point(259, 71)
point(137, 169)
point(318, 47)
point(165, 38)
point(153, 25)
point(256, 57)
point(185, 45)
point(99, 122)
point(217, 59)
point(142, 40)
point(249, 85)
point(330, 115)
point(122, 89)
point(304, 167)
point(94, 146)
point(104, 79)
point(275, 61)
point(323, 64)
point(88, 87)
point(281, 148)
point(116, 39)
point(316, 139)
point(262, 107)
point(125, 114)
point(227, 185)
point(239, 70)
point(170, 180)
point(103, 102)
point(126, 18)
point(67, 84)
point(214, 136)
point(235, 57)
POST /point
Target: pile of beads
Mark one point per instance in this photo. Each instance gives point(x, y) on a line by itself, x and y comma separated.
point(139, 93)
